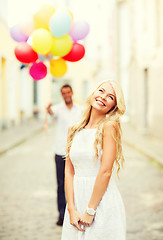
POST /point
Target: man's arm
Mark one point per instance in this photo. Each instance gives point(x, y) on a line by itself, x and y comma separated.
point(49, 110)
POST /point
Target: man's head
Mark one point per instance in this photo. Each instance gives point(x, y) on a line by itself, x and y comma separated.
point(66, 91)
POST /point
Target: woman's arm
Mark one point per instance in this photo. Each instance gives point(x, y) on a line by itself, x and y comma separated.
point(104, 174)
point(75, 217)
point(69, 175)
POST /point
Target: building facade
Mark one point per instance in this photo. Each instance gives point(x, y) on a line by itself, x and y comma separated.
point(140, 62)
point(19, 100)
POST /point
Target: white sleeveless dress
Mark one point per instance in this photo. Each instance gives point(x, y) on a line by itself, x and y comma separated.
point(110, 221)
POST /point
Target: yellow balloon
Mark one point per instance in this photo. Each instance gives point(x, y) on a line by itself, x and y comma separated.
point(41, 41)
point(61, 45)
point(42, 17)
point(58, 67)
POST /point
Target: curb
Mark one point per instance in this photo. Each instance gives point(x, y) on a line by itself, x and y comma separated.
point(19, 142)
point(153, 157)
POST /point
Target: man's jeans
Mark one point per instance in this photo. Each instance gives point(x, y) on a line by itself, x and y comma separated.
point(60, 172)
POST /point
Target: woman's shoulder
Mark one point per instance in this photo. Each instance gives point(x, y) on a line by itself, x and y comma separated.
point(110, 128)
point(110, 124)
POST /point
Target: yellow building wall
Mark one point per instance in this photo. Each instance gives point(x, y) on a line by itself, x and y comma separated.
point(3, 100)
point(7, 60)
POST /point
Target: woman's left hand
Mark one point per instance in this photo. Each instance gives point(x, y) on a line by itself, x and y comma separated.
point(87, 219)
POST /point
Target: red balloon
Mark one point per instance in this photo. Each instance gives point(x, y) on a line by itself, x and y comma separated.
point(25, 54)
point(38, 71)
point(77, 52)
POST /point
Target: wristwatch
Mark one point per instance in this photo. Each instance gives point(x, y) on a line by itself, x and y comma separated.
point(91, 211)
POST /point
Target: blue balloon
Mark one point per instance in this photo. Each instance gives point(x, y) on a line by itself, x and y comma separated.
point(60, 24)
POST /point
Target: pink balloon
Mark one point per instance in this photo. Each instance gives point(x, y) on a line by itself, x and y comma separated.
point(17, 34)
point(79, 30)
point(38, 71)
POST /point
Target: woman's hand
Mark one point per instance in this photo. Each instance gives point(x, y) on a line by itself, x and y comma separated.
point(87, 219)
point(75, 219)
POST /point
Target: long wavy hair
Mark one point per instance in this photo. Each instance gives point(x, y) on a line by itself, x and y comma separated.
point(111, 118)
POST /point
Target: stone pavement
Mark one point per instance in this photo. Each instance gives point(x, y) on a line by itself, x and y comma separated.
point(14, 136)
point(142, 191)
point(151, 147)
point(28, 208)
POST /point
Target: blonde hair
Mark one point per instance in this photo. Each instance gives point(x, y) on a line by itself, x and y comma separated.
point(112, 118)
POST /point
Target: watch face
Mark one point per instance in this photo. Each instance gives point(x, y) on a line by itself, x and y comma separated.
point(90, 211)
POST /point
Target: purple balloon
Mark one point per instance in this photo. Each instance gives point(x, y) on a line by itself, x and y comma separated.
point(17, 34)
point(38, 71)
point(79, 30)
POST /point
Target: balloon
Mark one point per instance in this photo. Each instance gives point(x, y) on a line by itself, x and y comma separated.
point(79, 30)
point(27, 27)
point(41, 41)
point(61, 46)
point(60, 23)
point(49, 36)
point(42, 17)
point(25, 54)
point(58, 67)
point(38, 71)
point(77, 52)
point(17, 34)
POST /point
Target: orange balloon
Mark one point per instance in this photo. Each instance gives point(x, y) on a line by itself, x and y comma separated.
point(58, 67)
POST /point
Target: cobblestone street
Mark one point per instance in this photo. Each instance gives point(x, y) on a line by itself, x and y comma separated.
point(28, 208)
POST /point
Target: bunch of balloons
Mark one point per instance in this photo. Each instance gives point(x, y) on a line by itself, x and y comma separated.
point(50, 36)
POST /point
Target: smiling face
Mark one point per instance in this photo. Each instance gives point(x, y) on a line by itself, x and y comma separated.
point(67, 94)
point(103, 99)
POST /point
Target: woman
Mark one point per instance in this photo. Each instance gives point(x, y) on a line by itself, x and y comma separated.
point(95, 210)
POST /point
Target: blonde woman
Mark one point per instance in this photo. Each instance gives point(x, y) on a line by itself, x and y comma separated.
point(95, 209)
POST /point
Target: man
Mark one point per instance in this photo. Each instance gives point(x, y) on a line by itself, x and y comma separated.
point(65, 114)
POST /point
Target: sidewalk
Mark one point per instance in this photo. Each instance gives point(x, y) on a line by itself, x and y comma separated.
point(147, 145)
point(14, 136)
